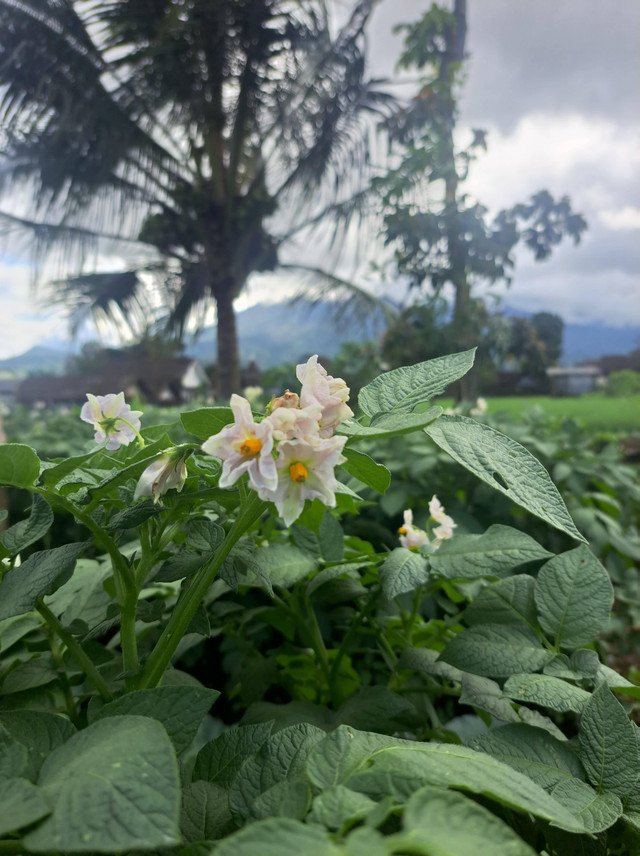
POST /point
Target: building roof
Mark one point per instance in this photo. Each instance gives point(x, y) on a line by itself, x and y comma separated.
point(158, 381)
point(574, 371)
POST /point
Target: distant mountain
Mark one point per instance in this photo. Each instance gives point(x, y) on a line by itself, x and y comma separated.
point(280, 333)
point(277, 333)
point(37, 360)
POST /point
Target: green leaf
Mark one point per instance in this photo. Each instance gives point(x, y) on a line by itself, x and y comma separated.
point(278, 836)
point(133, 516)
point(337, 805)
point(204, 535)
point(306, 539)
point(596, 811)
point(136, 464)
point(403, 388)
point(20, 805)
point(179, 565)
point(509, 602)
point(179, 709)
point(496, 651)
point(221, 759)
point(366, 841)
point(205, 812)
point(207, 421)
point(53, 475)
point(495, 553)
point(531, 751)
point(389, 424)
point(487, 695)
point(283, 564)
point(546, 691)
point(403, 571)
point(13, 756)
point(39, 733)
point(41, 574)
point(19, 465)
point(539, 720)
point(574, 597)
point(401, 771)
point(426, 660)
point(272, 781)
point(28, 531)
point(443, 822)
point(608, 744)
point(504, 465)
point(112, 787)
point(366, 470)
point(83, 597)
point(13, 629)
point(36, 672)
point(337, 756)
point(583, 663)
point(374, 707)
point(330, 538)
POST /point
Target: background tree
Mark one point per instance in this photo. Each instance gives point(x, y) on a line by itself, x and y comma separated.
point(440, 236)
point(549, 328)
point(201, 134)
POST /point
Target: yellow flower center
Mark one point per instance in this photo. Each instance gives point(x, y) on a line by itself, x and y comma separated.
point(250, 446)
point(298, 472)
point(402, 530)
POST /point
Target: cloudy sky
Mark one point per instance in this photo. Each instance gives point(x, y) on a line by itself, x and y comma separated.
point(557, 85)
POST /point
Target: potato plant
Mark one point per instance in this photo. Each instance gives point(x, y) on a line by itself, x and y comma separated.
point(218, 664)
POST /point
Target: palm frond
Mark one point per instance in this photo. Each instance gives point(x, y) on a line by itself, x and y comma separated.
point(350, 304)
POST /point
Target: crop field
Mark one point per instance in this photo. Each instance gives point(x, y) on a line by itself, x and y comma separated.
point(593, 411)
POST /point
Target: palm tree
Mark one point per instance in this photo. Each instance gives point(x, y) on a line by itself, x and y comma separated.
point(199, 134)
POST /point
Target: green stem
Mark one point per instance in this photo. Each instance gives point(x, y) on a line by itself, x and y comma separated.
point(318, 642)
point(141, 442)
point(121, 570)
point(56, 653)
point(348, 636)
point(186, 607)
point(76, 651)
point(128, 641)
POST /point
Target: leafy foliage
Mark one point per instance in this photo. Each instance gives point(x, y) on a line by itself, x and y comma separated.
point(368, 698)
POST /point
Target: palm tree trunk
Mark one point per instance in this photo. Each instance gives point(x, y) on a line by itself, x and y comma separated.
point(4, 496)
point(466, 388)
point(228, 356)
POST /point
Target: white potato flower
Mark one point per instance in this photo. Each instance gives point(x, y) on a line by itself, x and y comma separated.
point(330, 393)
point(244, 447)
point(410, 536)
point(305, 471)
point(114, 420)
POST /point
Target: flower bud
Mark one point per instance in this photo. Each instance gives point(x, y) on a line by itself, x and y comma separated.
point(166, 472)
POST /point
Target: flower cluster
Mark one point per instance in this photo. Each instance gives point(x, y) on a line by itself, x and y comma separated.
point(289, 455)
point(413, 538)
point(114, 420)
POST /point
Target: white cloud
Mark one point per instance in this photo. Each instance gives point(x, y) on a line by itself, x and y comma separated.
point(589, 159)
point(621, 218)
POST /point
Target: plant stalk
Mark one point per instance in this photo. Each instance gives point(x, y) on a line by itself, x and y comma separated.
point(186, 607)
point(76, 650)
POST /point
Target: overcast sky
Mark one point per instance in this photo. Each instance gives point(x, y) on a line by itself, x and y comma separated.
point(557, 85)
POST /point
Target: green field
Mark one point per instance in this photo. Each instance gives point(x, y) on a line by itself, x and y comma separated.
point(596, 411)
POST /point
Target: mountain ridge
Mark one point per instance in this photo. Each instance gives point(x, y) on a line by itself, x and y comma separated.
point(281, 333)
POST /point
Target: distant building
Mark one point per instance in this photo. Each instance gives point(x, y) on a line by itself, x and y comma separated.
point(574, 380)
point(8, 387)
point(165, 381)
point(616, 362)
